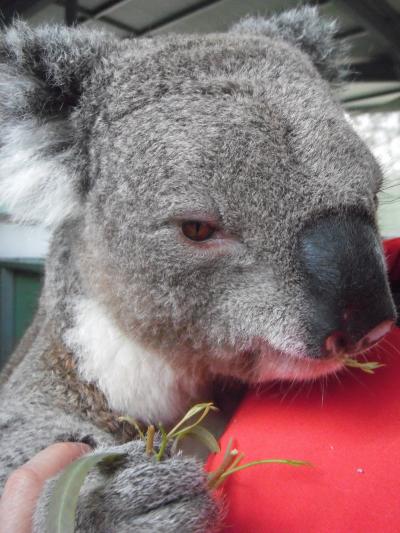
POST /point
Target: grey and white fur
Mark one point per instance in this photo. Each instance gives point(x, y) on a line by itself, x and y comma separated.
point(114, 144)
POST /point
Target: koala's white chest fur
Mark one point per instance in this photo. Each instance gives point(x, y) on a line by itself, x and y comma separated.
point(135, 381)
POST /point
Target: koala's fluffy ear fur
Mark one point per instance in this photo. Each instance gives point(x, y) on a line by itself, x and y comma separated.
point(42, 75)
point(304, 28)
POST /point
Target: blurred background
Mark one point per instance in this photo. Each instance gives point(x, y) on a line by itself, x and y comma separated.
point(371, 96)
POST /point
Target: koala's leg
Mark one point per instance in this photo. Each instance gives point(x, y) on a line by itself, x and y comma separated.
point(143, 495)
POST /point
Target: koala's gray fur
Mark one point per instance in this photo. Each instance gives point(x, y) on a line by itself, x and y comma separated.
point(113, 143)
point(313, 38)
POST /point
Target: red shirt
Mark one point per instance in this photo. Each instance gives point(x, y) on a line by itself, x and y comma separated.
point(351, 435)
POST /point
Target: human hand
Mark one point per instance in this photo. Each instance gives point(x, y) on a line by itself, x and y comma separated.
point(25, 484)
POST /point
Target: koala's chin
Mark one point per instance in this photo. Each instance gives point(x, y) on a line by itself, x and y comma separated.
point(266, 364)
point(295, 368)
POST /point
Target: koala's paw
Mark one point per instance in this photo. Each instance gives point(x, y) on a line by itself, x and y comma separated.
point(143, 495)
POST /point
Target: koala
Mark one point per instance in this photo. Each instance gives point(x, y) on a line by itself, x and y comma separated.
point(213, 219)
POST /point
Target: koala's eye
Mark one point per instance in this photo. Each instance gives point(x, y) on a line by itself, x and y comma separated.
point(197, 231)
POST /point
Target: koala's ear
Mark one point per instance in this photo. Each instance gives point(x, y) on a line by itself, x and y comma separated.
point(43, 73)
point(304, 28)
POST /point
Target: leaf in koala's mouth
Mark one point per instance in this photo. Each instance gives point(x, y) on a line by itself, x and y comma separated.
point(368, 367)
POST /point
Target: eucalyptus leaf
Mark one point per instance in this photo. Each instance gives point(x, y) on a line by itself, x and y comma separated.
point(227, 460)
point(205, 437)
point(133, 423)
point(203, 408)
point(292, 462)
point(368, 367)
point(164, 442)
point(64, 499)
point(228, 450)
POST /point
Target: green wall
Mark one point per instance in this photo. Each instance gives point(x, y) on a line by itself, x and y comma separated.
point(20, 286)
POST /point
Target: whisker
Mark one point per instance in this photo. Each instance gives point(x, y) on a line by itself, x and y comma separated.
point(382, 350)
point(300, 389)
point(336, 375)
point(353, 375)
point(288, 389)
point(392, 347)
point(323, 384)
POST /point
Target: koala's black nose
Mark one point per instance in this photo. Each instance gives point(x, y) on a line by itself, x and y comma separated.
point(344, 272)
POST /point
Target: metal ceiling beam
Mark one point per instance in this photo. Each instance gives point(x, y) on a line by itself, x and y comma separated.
point(365, 97)
point(119, 25)
point(353, 32)
point(85, 15)
point(173, 17)
point(108, 7)
point(116, 23)
point(380, 18)
point(380, 69)
point(104, 11)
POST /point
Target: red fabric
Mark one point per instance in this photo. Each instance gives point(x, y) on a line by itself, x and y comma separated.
point(392, 254)
point(352, 438)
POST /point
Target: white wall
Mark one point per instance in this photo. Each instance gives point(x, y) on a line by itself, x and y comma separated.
point(381, 132)
point(22, 241)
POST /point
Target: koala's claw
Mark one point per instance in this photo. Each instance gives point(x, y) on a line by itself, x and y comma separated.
point(142, 495)
point(77, 437)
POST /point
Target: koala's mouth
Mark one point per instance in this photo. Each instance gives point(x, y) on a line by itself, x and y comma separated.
point(305, 368)
point(297, 365)
point(260, 363)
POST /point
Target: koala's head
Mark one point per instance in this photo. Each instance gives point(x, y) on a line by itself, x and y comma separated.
point(216, 199)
